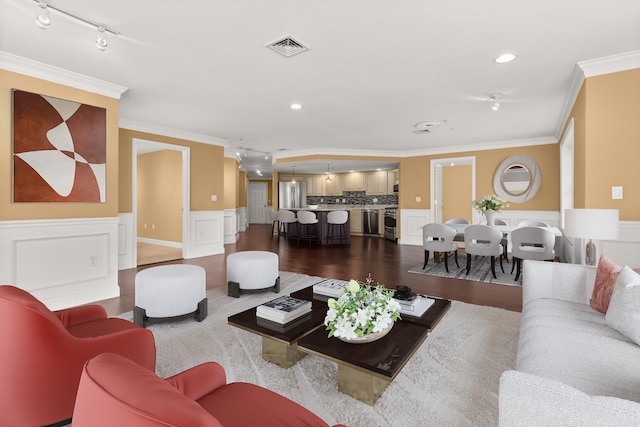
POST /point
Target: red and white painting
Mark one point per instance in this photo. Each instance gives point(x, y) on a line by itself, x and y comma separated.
point(59, 150)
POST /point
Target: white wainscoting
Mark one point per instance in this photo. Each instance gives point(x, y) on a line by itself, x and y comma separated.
point(411, 223)
point(207, 234)
point(231, 218)
point(242, 220)
point(64, 262)
point(126, 242)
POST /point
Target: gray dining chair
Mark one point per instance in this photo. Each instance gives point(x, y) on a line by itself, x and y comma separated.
point(438, 238)
point(505, 240)
point(459, 237)
point(483, 240)
point(535, 243)
point(533, 223)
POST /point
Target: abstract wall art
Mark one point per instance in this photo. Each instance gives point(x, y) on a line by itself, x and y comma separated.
point(59, 150)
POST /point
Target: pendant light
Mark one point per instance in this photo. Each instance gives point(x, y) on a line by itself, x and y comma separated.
point(293, 173)
point(328, 178)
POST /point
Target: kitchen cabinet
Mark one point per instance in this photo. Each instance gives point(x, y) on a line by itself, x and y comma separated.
point(289, 177)
point(315, 185)
point(354, 181)
point(333, 187)
point(392, 179)
point(355, 221)
point(377, 183)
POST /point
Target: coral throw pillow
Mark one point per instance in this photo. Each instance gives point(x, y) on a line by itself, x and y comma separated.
point(605, 281)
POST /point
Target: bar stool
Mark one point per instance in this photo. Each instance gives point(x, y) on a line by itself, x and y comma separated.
point(306, 219)
point(286, 219)
point(274, 219)
point(337, 219)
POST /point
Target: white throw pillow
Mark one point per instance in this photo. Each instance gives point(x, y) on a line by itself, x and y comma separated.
point(623, 313)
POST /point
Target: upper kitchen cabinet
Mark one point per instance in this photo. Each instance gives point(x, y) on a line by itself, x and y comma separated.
point(333, 187)
point(377, 183)
point(315, 185)
point(392, 179)
point(354, 181)
point(287, 177)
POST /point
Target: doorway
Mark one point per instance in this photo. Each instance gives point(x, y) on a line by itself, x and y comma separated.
point(453, 187)
point(257, 203)
point(162, 249)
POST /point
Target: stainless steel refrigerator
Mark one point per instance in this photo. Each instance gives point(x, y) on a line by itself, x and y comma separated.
point(292, 195)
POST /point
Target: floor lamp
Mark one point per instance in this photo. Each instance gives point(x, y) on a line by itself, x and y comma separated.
point(599, 224)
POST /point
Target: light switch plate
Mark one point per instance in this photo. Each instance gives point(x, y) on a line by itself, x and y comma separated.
point(616, 193)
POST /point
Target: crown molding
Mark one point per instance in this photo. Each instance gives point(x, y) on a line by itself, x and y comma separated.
point(591, 68)
point(171, 132)
point(415, 153)
point(610, 64)
point(39, 70)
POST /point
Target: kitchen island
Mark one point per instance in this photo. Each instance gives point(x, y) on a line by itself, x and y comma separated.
point(322, 227)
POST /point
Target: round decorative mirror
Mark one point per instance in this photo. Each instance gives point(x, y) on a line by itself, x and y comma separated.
point(517, 179)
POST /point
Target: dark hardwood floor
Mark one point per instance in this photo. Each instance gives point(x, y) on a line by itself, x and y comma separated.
point(387, 262)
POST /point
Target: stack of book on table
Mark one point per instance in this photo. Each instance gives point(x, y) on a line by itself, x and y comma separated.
point(330, 288)
point(415, 306)
point(283, 309)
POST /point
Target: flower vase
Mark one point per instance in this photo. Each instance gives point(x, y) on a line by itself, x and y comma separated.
point(491, 217)
point(374, 336)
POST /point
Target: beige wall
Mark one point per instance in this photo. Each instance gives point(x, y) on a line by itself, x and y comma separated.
point(159, 193)
point(242, 189)
point(231, 182)
point(22, 211)
point(206, 177)
point(456, 192)
point(607, 143)
point(415, 176)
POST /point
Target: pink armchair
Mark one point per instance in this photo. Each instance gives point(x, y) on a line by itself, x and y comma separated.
point(43, 352)
point(115, 391)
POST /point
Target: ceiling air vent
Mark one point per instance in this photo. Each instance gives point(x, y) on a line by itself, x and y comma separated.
point(287, 46)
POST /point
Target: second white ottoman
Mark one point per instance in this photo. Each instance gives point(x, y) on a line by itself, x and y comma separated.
point(170, 291)
point(252, 270)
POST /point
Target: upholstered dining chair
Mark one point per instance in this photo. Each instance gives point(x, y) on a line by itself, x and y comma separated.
point(43, 352)
point(459, 237)
point(286, 219)
point(533, 223)
point(115, 391)
point(483, 240)
point(438, 238)
point(535, 243)
point(505, 240)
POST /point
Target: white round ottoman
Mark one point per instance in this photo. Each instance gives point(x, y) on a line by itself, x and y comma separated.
point(170, 291)
point(252, 270)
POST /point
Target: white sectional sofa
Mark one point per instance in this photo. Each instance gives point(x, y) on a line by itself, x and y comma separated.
point(572, 369)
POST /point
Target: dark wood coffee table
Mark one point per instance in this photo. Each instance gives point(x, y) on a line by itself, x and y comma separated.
point(365, 370)
point(280, 342)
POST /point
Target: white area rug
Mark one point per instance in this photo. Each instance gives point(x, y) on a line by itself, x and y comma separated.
point(452, 380)
point(480, 270)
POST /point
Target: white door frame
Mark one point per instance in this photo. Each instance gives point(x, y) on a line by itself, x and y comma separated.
point(436, 182)
point(136, 146)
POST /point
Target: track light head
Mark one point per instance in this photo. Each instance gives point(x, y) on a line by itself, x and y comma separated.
point(495, 97)
point(101, 42)
point(43, 20)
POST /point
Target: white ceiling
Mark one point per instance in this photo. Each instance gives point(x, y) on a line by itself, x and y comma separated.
point(375, 68)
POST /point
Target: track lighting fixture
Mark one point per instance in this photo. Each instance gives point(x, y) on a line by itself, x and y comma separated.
point(495, 97)
point(43, 19)
point(101, 42)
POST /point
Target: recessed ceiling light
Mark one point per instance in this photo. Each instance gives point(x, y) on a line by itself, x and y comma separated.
point(504, 58)
point(295, 106)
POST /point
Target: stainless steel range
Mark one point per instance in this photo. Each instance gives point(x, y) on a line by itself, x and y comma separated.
point(390, 224)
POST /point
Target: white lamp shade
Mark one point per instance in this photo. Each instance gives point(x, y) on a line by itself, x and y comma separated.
point(598, 224)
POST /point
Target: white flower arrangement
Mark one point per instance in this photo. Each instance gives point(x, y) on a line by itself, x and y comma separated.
point(490, 202)
point(361, 310)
